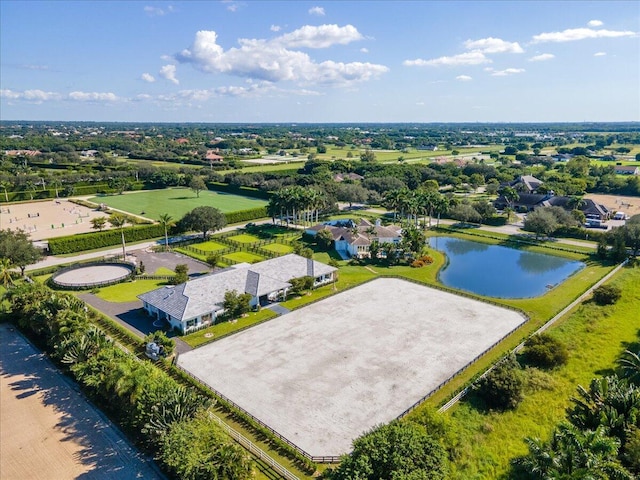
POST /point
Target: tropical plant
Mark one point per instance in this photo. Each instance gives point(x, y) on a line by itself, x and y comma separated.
point(118, 220)
point(167, 222)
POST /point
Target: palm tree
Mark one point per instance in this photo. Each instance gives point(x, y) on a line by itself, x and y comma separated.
point(167, 222)
point(118, 220)
point(31, 188)
point(5, 185)
point(630, 363)
point(56, 184)
point(6, 275)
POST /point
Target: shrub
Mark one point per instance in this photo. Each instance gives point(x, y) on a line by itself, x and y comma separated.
point(503, 387)
point(422, 261)
point(545, 351)
point(606, 294)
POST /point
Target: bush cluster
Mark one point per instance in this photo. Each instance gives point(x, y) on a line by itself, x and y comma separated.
point(503, 387)
point(607, 294)
point(422, 261)
point(545, 351)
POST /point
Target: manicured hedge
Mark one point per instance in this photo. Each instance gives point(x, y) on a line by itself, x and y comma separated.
point(246, 215)
point(238, 190)
point(93, 240)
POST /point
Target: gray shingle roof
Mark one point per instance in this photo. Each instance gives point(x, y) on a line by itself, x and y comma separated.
point(205, 294)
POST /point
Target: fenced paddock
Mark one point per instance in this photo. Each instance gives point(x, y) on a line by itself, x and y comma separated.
point(322, 375)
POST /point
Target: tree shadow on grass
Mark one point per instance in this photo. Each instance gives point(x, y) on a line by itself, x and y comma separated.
point(101, 447)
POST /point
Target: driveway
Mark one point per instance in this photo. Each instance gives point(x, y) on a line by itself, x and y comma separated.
point(131, 316)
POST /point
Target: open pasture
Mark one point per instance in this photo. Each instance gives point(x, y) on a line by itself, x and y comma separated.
point(324, 374)
point(176, 202)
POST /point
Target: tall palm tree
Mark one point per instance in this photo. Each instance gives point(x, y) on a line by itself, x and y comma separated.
point(5, 185)
point(6, 275)
point(167, 222)
point(118, 220)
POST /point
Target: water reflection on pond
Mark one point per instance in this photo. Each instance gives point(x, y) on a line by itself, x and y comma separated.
point(498, 271)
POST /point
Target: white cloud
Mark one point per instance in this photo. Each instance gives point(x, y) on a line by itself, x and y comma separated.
point(275, 28)
point(322, 36)
point(232, 6)
point(147, 77)
point(168, 72)
point(507, 71)
point(542, 57)
point(141, 97)
point(464, 78)
point(573, 34)
point(275, 60)
point(35, 96)
point(599, 54)
point(93, 96)
point(319, 11)
point(469, 58)
point(595, 23)
point(364, 50)
point(493, 45)
point(157, 11)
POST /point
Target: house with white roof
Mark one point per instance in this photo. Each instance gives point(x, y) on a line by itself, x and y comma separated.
point(199, 302)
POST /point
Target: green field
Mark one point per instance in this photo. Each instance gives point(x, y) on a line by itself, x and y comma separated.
point(244, 257)
point(176, 202)
point(596, 337)
point(210, 246)
point(244, 238)
point(280, 248)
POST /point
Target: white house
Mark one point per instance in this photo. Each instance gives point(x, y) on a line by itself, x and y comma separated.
point(355, 239)
point(199, 302)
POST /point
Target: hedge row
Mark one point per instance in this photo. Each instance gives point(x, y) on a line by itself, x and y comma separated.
point(246, 215)
point(108, 238)
point(238, 190)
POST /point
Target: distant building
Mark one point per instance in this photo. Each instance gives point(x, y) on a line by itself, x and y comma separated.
point(627, 170)
point(212, 156)
point(354, 240)
point(341, 177)
point(526, 183)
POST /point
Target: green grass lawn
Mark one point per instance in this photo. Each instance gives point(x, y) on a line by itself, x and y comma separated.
point(128, 291)
point(596, 336)
point(164, 271)
point(176, 202)
point(210, 246)
point(244, 257)
point(280, 248)
point(244, 238)
point(224, 328)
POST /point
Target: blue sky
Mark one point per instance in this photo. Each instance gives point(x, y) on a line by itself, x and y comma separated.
point(332, 61)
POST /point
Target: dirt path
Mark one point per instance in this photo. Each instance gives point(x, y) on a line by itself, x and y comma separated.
point(49, 430)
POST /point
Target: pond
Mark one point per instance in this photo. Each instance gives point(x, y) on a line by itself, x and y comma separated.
point(497, 271)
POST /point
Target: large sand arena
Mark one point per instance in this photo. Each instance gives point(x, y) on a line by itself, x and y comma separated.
point(618, 203)
point(38, 218)
point(323, 375)
point(49, 430)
